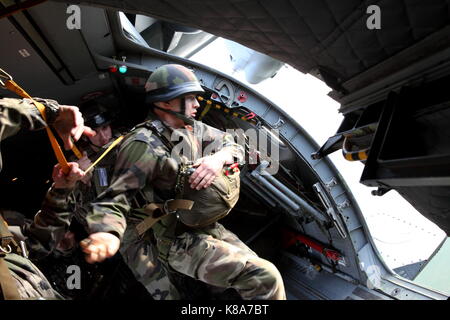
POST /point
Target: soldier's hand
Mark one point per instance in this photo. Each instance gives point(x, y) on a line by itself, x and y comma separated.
point(208, 168)
point(67, 181)
point(100, 246)
point(70, 123)
point(84, 163)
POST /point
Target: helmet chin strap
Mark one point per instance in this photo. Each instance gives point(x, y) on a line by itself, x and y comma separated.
point(180, 115)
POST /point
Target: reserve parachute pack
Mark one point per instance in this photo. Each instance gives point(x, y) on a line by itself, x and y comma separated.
point(194, 208)
point(210, 204)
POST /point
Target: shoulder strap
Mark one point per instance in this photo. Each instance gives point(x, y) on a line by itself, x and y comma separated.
point(157, 211)
point(157, 127)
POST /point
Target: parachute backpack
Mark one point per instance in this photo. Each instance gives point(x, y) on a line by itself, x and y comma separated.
point(210, 204)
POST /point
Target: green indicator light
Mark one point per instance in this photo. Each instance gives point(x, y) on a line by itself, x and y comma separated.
point(123, 69)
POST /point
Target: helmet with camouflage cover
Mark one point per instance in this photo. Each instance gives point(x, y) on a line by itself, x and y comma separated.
point(171, 81)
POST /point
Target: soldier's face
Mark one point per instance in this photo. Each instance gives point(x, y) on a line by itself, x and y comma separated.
point(102, 137)
point(191, 105)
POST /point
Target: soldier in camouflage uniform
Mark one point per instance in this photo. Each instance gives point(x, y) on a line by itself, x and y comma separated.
point(53, 235)
point(97, 180)
point(138, 253)
point(145, 163)
point(28, 281)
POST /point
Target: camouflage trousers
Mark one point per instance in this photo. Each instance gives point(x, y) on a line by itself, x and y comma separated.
point(141, 256)
point(31, 283)
point(217, 257)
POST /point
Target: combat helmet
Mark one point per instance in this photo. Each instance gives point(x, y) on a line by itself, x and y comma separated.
point(95, 114)
point(171, 81)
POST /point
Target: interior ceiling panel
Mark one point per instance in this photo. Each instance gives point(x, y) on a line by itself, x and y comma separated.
point(305, 34)
point(68, 44)
point(20, 57)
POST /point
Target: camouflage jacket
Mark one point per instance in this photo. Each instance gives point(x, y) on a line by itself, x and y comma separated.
point(18, 113)
point(50, 223)
point(100, 179)
point(60, 206)
point(145, 164)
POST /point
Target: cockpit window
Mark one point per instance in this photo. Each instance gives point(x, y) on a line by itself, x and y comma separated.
point(165, 36)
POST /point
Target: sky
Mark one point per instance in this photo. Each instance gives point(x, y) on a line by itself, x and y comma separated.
point(401, 234)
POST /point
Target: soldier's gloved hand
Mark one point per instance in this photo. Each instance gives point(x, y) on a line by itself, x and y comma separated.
point(208, 168)
point(67, 181)
point(99, 246)
point(69, 123)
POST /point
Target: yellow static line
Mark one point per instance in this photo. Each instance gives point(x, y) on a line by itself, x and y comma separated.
point(104, 154)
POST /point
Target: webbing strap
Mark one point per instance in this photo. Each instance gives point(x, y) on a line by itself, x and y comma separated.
point(7, 283)
point(104, 153)
point(154, 126)
point(157, 211)
point(179, 115)
point(14, 87)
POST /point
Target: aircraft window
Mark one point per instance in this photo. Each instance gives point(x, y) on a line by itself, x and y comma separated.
point(165, 36)
point(130, 36)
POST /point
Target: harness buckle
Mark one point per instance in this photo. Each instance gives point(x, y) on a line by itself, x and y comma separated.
point(166, 207)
